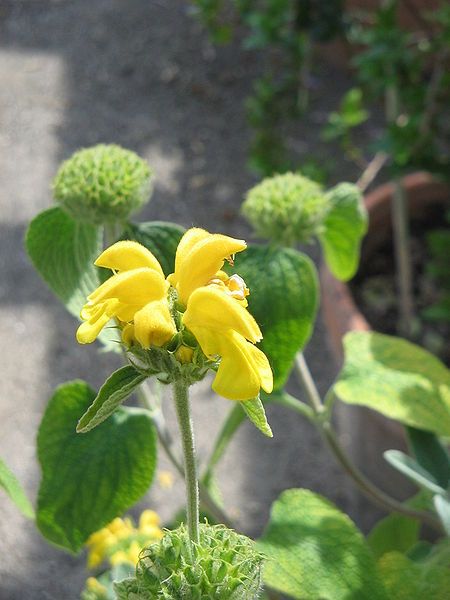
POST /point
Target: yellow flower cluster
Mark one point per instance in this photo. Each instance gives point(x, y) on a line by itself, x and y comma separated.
point(121, 542)
point(212, 306)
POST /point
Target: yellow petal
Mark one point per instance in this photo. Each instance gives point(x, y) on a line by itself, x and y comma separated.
point(97, 316)
point(243, 368)
point(187, 242)
point(149, 517)
point(212, 308)
point(153, 324)
point(138, 287)
point(199, 258)
point(128, 255)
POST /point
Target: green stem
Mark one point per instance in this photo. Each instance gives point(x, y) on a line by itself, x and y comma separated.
point(166, 442)
point(377, 496)
point(325, 427)
point(401, 230)
point(181, 396)
point(402, 258)
point(306, 380)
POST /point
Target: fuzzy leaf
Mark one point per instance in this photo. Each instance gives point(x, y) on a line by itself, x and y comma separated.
point(396, 378)
point(431, 455)
point(394, 532)
point(344, 227)
point(442, 506)
point(408, 580)
point(14, 490)
point(409, 467)
point(87, 480)
point(113, 392)
point(254, 409)
point(63, 252)
point(315, 551)
point(283, 299)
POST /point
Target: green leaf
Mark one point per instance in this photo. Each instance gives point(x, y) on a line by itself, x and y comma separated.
point(63, 251)
point(431, 455)
point(315, 551)
point(283, 299)
point(409, 467)
point(396, 378)
point(344, 227)
point(254, 409)
point(87, 480)
point(14, 490)
point(128, 589)
point(113, 392)
point(442, 506)
point(408, 580)
point(160, 238)
point(394, 532)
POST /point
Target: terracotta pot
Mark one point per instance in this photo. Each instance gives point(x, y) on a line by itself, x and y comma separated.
point(365, 433)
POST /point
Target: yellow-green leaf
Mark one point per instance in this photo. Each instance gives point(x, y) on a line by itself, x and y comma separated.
point(398, 379)
point(408, 580)
point(315, 551)
point(254, 409)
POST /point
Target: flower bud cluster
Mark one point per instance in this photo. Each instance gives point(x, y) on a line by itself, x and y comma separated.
point(103, 184)
point(286, 208)
point(223, 566)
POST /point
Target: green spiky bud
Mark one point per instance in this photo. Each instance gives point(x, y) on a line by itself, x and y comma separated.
point(286, 208)
point(222, 566)
point(103, 184)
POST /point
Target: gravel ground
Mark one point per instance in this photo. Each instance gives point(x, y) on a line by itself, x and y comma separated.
point(142, 74)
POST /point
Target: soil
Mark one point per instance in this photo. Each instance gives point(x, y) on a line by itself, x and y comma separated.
point(375, 288)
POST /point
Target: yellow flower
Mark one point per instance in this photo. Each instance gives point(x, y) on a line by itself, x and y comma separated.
point(136, 295)
point(216, 314)
point(94, 585)
point(213, 307)
point(149, 517)
point(117, 541)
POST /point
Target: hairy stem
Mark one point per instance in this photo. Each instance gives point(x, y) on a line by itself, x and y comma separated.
point(167, 445)
point(370, 490)
point(181, 397)
point(306, 380)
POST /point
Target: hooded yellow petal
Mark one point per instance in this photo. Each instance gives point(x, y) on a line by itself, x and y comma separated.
point(153, 324)
point(213, 308)
point(199, 258)
point(187, 242)
point(128, 255)
point(137, 287)
point(243, 368)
